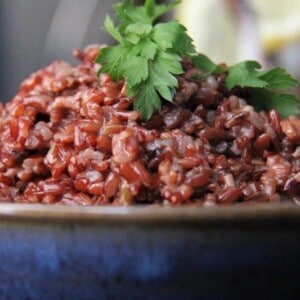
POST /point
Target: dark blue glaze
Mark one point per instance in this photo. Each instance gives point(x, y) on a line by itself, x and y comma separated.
point(94, 260)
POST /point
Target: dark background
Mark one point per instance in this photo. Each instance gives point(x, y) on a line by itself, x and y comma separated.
point(29, 40)
point(33, 33)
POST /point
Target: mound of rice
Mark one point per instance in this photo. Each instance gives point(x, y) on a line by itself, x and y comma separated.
point(71, 137)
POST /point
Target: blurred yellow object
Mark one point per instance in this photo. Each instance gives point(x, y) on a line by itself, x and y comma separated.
point(210, 25)
point(279, 22)
point(218, 33)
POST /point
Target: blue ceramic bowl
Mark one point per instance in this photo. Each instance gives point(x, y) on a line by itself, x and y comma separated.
point(236, 252)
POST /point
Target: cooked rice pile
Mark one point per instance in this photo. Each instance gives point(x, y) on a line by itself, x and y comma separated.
point(70, 137)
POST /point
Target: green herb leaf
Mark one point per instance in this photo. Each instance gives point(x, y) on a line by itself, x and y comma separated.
point(285, 104)
point(268, 89)
point(136, 70)
point(172, 35)
point(112, 30)
point(206, 65)
point(156, 10)
point(171, 61)
point(145, 48)
point(148, 56)
point(147, 99)
point(129, 13)
point(245, 74)
point(162, 77)
point(112, 60)
point(139, 29)
point(279, 79)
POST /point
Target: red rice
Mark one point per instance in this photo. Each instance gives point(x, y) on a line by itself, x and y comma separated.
point(70, 137)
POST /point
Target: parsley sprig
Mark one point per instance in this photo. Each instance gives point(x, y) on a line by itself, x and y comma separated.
point(266, 89)
point(148, 57)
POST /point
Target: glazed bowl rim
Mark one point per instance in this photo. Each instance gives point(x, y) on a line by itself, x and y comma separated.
point(141, 214)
